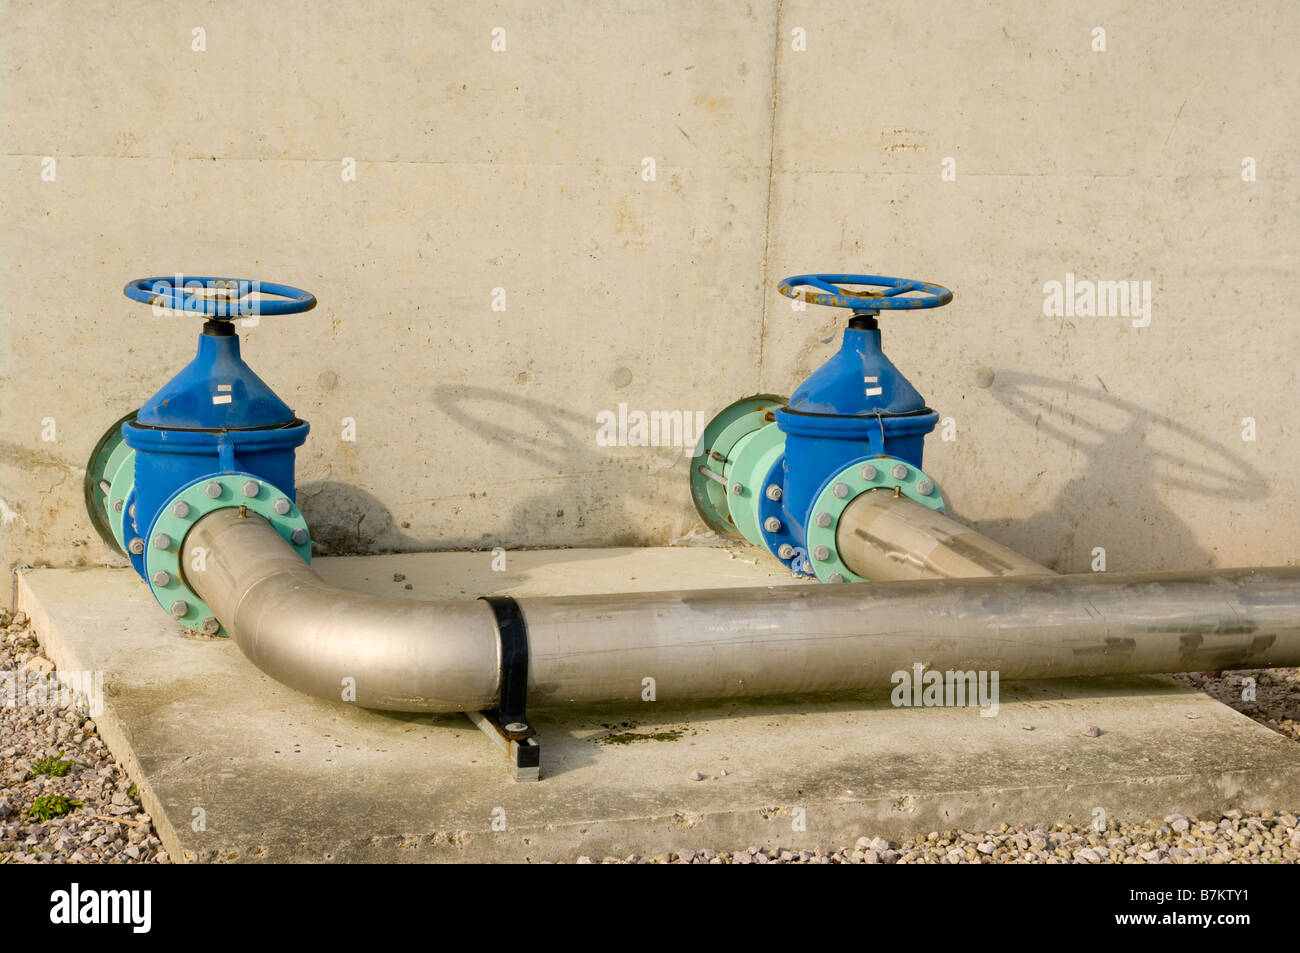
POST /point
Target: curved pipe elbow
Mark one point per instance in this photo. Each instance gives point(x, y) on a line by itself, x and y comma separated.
point(383, 653)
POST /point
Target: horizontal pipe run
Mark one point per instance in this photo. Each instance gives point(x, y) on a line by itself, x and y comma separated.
point(881, 537)
point(445, 656)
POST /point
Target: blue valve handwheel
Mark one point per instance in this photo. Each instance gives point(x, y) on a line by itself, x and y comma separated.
point(219, 297)
point(826, 291)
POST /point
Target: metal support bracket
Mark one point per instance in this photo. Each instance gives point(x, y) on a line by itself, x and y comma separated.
point(525, 756)
point(508, 725)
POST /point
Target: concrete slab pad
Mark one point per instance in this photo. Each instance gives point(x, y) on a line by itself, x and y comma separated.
point(273, 775)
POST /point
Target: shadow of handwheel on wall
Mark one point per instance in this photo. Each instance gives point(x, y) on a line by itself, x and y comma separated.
point(1126, 457)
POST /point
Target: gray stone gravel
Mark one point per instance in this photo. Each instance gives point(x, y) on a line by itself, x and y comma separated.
point(1230, 837)
point(111, 827)
point(1276, 695)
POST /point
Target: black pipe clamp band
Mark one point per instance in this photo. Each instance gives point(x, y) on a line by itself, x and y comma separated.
point(513, 632)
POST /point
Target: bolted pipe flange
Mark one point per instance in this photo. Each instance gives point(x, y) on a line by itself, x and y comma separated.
point(858, 477)
point(120, 482)
point(97, 487)
point(774, 525)
point(164, 566)
point(711, 463)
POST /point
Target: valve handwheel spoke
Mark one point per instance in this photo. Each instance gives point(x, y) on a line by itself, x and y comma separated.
point(220, 297)
point(830, 290)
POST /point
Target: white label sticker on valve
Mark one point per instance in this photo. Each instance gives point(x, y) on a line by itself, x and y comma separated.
point(221, 399)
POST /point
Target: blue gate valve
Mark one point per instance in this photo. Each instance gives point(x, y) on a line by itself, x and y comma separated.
point(214, 436)
point(780, 473)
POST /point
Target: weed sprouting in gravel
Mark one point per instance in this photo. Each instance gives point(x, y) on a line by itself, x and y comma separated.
point(53, 805)
point(52, 766)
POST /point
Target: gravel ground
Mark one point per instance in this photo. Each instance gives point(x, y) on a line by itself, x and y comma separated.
point(49, 752)
point(1277, 695)
point(1212, 838)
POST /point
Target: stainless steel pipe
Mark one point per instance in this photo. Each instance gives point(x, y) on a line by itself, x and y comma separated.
point(881, 536)
point(444, 656)
point(399, 654)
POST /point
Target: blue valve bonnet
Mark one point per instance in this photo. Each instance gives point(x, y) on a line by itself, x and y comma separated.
point(213, 419)
point(859, 380)
point(216, 391)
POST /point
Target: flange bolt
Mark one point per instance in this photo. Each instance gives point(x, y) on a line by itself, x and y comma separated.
point(821, 554)
point(162, 541)
point(251, 488)
point(211, 626)
point(117, 506)
point(925, 488)
point(282, 506)
point(773, 492)
point(180, 509)
point(737, 489)
point(136, 546)
point(298, 536)
point(900, 471)
point(785, 551)
point(841, 490)
point(213, 490)
point(772, 524)
point(869, 472)
point(162, 578)
point(179, 608)
point(834, 577)
point(822, 519)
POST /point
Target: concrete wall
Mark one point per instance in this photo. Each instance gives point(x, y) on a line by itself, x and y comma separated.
point(524, 169)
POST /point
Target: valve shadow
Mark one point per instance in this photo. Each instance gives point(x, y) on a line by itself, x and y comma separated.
point(1130, 454)
point(558, 441)
point(349, 520)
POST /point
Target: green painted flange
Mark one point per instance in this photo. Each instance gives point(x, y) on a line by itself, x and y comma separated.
point(722, 434)
point(860, 476)
point(120, 485)
point(103, 463)
point(751, 460)
point(186, 507)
